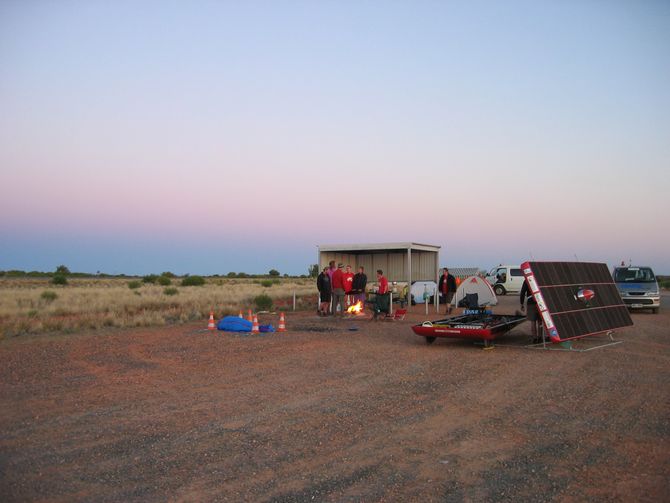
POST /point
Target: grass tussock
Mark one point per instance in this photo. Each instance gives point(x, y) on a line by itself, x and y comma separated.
point(26, 307)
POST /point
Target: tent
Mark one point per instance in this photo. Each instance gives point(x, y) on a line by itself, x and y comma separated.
point(475, 284)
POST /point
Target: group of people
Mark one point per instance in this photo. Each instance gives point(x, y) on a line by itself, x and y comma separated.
point(339, 288)
point(338, 284)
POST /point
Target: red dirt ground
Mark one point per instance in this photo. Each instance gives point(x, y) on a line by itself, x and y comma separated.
point(324, 413)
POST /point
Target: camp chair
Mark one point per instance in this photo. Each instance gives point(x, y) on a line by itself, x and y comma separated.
point(470, 301)
point(398, 314)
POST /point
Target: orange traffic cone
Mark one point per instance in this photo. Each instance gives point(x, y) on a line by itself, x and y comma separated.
point(282, 323)
point(210, 325)
point(241, 314)
point(254, 326)
point(249, 316)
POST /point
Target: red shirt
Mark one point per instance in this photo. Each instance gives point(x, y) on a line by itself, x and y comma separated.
point(348, 278)
point(383, 285)
point(445, 285)
point(338, 279)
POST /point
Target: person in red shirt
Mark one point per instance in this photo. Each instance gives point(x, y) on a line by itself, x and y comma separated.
point(348, 280)
point(338, 290)
point(383, 282)
point(381, 302)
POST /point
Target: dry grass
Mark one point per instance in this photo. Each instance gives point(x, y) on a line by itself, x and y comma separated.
point(94, 303)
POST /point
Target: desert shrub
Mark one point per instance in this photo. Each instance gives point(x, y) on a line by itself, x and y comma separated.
point(149, 278)
point(32, 313)
point(62, 269)
point(134, 284)
point(48, 296)
point(263, 302)
point(273, 272)
point(59, 279)
point(276, 282)
point(170, 291)
point(164, 280)
point(168, 274)
point(265, 282)
point(193, 281)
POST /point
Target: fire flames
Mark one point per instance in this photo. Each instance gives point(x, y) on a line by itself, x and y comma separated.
point(356, 308)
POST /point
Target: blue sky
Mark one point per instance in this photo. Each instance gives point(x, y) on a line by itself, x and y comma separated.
point(206, 137)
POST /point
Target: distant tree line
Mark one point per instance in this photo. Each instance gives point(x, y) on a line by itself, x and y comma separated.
point(163, 278)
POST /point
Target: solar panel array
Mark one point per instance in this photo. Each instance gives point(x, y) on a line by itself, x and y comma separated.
point(556, 287)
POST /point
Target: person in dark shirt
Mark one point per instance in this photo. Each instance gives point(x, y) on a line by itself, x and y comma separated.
point(532, 313)
point(358, 288)
point(325, 291)
point(447, 288)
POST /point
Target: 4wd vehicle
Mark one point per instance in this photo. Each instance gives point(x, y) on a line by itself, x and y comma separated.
point(506, 279)
point(638, 287)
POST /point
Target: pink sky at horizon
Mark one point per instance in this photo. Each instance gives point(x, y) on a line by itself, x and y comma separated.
point(495, 132)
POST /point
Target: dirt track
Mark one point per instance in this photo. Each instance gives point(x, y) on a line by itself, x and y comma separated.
point(323, 413)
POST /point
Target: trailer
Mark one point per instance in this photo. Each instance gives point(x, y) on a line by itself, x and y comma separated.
point(478, 325)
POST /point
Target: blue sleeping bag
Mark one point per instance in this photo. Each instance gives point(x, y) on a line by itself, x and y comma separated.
point(234, 324)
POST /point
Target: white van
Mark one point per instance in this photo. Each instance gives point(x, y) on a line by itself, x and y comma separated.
point(506, 279)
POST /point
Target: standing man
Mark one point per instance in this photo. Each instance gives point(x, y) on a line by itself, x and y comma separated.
point(360, 282)
point(532, 313)
point(338, 290)
point(383, 283)
point(382, 301)
point(325, 291)
point(348, 278)
point(331, 269)
point(447, 288)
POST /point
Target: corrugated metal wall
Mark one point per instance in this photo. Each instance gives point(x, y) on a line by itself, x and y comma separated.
point(394, 264)
point(423, 266)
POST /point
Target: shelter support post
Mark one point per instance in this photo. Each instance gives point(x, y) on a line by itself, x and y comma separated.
point(409, 276)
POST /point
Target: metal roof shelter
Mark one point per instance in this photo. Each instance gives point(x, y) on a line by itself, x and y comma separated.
point(404, 261)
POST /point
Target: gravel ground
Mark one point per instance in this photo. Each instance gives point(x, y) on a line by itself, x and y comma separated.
point(327, 413)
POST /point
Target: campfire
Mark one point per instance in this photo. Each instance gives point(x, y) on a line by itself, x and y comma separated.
point(357, 308)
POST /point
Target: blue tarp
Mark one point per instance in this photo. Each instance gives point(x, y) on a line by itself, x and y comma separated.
point(237, 324)
point(234, 324)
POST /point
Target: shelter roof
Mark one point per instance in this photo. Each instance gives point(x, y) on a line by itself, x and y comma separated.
point(378, 247)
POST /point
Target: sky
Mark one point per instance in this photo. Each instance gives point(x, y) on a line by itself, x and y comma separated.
point(206, 137)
